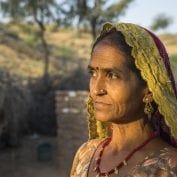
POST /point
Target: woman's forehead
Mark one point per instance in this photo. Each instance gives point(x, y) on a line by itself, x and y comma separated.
point(107, 56)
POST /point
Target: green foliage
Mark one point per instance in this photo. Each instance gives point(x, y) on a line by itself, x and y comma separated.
point(161, 22)
point(117, 9)
point(96, 12)
point(21, 9)
point(63, 13)
point(11, 9)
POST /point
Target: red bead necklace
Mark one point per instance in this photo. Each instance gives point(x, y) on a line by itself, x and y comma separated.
point(124, 162)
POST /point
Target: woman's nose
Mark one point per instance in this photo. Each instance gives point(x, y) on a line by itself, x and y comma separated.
point(98, 87)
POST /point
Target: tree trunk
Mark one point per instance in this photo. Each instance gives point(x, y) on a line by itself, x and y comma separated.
point(45, 49)
point(93, 28)
point(46, 54)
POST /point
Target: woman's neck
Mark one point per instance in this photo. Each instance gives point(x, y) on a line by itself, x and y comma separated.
point(126, 136)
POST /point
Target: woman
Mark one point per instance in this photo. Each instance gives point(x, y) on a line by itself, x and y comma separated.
point(132, 107)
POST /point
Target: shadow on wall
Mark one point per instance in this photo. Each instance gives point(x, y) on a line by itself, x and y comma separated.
point(42, 110)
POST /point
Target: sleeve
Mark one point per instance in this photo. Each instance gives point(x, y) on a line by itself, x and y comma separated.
point(76, 160)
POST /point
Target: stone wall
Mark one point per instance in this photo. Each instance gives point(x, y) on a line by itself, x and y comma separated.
point(72, 126)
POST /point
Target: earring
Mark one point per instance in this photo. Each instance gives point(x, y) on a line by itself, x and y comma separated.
point(148, 109)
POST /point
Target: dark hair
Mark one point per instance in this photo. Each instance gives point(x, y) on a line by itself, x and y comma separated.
point(115, 38)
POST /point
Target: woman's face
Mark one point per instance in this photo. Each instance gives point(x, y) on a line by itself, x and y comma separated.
point(121, 100)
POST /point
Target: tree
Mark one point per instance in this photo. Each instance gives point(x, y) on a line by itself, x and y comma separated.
point(161, 21)
point(96, 12)
point(40, 11)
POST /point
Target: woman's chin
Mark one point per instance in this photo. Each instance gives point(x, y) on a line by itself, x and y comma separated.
point(102, 117)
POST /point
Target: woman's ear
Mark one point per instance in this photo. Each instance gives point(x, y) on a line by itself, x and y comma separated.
point(147, 93)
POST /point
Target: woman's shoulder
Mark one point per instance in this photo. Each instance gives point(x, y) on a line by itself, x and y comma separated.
point(89, 146)
point(92, 142)
point(83, 157)
point(159, 163)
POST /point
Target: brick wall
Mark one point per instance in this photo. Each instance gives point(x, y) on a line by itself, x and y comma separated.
point(72, 126)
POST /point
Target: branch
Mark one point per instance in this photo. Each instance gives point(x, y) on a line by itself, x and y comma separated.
point(117, 9)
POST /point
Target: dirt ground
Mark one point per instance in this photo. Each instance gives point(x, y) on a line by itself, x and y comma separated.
point(27, 161)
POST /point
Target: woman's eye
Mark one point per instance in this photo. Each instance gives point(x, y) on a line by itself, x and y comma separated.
point(113, 75)
point(92, 73)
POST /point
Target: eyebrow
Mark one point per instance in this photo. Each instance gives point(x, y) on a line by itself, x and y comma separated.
point(114, 69)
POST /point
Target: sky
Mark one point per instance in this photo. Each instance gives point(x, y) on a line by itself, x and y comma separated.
point(143, 12)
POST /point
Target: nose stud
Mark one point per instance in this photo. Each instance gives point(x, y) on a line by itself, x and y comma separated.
point(102, 92)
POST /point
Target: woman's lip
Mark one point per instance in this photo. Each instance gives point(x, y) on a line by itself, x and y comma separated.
point(100, 104)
